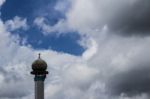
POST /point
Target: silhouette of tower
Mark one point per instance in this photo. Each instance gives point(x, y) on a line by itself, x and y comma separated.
point(39, 67)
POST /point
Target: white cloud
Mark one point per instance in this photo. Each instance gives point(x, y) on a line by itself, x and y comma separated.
point(2, 2)
point(16, 23)
point(52, 90)
point(82, 15)
point(91, 46)
point(62, 6)
point(60, 27)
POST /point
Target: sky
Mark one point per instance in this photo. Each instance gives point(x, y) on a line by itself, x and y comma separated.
point(95, 49)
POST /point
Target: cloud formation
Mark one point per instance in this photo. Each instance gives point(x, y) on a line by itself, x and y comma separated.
point(127, 18)
point(16, 23)
point(112, 67)
point(124, 17)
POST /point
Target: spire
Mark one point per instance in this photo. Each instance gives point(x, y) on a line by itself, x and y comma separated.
point(39, 55)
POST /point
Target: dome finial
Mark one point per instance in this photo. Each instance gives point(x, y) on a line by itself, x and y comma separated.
point(39, 55)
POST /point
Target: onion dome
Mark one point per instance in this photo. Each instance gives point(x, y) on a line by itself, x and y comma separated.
point(39, 67)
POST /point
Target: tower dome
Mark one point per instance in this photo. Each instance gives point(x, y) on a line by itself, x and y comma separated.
point(39, 66)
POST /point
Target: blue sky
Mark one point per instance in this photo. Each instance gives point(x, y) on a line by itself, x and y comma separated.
point(29, 9)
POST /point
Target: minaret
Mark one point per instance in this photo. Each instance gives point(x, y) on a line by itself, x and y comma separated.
point(39, 67)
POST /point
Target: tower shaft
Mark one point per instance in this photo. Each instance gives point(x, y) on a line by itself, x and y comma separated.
point(39, 90)
point(39, 86)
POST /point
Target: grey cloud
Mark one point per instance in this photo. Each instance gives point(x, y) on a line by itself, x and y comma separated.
point(132, 19)
point(133, 82)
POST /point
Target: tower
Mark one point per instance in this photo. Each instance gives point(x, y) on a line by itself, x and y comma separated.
point(39, 67)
